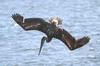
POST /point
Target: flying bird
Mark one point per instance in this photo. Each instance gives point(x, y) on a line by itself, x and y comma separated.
point(51, 29)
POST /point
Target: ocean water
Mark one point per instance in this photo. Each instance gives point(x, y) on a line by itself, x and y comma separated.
point(20, 48)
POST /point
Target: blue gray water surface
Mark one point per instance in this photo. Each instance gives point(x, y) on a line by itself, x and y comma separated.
point(20, 48)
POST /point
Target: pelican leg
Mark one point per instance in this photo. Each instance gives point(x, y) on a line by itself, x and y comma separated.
point(42, 43)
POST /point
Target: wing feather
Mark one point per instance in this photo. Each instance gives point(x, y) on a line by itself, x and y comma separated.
point(28, 23)
point(71, 42)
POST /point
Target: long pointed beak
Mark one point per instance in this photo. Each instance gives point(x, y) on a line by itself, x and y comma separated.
point(42, 43)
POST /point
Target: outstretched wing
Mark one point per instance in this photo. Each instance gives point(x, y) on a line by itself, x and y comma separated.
point(28, 23)
point(71, 42)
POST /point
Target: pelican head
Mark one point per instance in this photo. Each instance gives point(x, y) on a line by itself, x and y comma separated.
point(55, 20)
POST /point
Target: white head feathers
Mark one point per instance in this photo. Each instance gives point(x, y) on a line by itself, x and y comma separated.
point(56, 20)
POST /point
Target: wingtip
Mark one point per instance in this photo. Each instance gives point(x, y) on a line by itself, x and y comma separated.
point(15, 14)
point(87, 37)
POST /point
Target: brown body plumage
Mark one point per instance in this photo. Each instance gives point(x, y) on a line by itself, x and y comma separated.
point(51, 30)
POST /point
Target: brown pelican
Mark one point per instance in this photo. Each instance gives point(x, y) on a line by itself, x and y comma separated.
point(51, 29)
